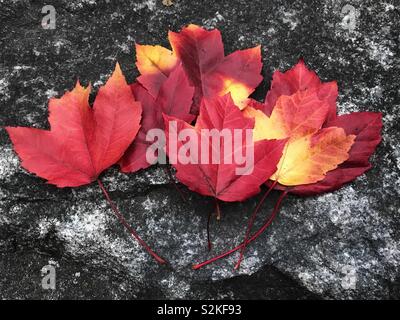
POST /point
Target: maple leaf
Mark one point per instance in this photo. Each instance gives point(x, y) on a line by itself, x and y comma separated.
point(220, 180)
point(83, 141)
point(174, 98)
point(343, 159)
point(202, 55)
point(363, 128)
point(299, 78)
point(320, 156)
point(324, 151)
point(155, 63)
point(310, 152)
point(366, 127)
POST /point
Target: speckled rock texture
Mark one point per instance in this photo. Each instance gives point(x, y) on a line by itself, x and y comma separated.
point(342, 245)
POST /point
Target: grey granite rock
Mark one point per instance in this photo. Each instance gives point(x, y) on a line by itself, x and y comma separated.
point(344, 244)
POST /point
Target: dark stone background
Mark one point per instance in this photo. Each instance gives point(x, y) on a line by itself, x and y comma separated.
point(316, 244)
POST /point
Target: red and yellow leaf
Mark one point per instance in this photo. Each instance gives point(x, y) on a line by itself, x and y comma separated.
point(307, 159)
point(299, 78)
point(201, 53)
point(155, 63)
point(213, 74)
point(297, 115)
point(366, 126)
point(310, 152)
point(83, 141)
point(220, 180)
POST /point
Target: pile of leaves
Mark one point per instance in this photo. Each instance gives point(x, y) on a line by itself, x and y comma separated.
point(301, 146)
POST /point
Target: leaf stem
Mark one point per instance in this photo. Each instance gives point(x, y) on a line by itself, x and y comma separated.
point(217, 208)
point(252, 238)
point(127, 226)
point(251, 223)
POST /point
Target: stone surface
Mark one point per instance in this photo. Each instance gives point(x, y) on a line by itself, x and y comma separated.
point(344, 244)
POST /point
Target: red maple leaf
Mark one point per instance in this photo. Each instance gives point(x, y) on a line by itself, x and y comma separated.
point(201, 53)
point(366, 126)
point(362, 129)
point(174, 98)
point(299, 78)
point(82, 141)
point(155, 64)
point(220, 180)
